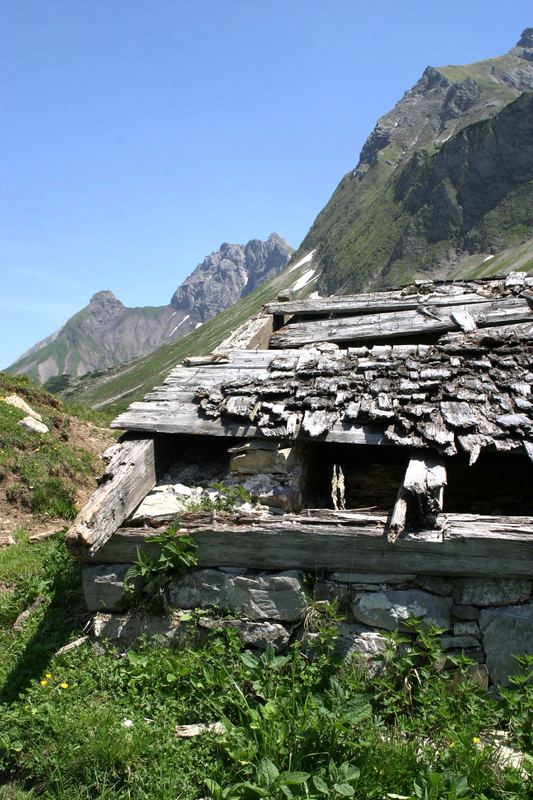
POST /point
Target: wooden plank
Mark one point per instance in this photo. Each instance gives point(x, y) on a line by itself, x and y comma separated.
point(212, 358)
point(482, 546)
point(374, 303)
point(254, 334)
point(176, 417)
point(128, 478)
point(425, 478)
point(375, 327)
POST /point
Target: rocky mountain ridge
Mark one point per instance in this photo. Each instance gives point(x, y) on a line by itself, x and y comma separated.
point(369, 233)
point(106, 333)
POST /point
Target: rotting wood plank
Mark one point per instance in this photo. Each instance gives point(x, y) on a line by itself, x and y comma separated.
point(369, 304)
point(375, 327)
point(177, 417)
point(425, 479)
point(398, 518)
point(128, 478)
point(472, 546)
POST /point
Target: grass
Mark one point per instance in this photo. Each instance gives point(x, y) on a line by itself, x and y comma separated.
point(100, 724)
point(40, 473)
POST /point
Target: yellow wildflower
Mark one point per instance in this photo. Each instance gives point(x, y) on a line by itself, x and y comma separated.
point(48, 676)
point(44, 682)
point(476, 740)
point(452, 744)
point(63, 685)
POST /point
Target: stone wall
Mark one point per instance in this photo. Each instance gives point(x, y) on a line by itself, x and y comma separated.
point(487, 619)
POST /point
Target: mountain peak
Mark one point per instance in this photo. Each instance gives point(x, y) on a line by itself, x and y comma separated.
point(105, 296)
point(524, 46)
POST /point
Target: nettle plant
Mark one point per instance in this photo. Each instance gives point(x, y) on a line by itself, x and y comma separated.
point(146, 579)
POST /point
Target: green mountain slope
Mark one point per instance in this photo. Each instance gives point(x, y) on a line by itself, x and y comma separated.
point(402, 211)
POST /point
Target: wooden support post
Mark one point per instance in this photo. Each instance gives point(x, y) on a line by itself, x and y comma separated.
point(398, 516)
point(425, 478)
point(128, 478)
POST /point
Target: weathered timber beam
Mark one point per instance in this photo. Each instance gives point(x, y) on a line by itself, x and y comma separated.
point(425, 479)
point(163, 417)
point(398, 518)
point(365, 304)
point(128, 477)
point(390, 326)
point(472, 546)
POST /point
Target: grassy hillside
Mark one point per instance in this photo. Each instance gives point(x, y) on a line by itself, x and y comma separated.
point(45, 477)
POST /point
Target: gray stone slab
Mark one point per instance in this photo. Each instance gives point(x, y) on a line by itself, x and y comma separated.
point(465, 612)
point(506, 631)
point(435, 585)
point(353, 640)
point(103, 587)
point(126, 628)
point(202, 588)
point(330, 591)
point(390, 609)
point(459, 642)
point(276, 596)
point(254, 634)
point(466, 628)
point(491, 591)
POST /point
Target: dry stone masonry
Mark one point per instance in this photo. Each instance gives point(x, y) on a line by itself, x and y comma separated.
point(271, 607)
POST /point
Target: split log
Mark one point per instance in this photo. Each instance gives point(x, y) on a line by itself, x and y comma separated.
point(379, 302)
point(425, 479)
point(398, 518)
point(473, 546)
point(338, 488)
point(128, 478)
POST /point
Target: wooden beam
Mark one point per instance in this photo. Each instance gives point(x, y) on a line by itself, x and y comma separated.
point(471, 545)
point(424, 481)
point(398, 518)
point(393, 325)
point(181, 415)
point(374, 303)
point(128, 478)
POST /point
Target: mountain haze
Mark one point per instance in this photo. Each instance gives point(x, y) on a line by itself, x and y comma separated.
point(444, 176)
point(106, 333)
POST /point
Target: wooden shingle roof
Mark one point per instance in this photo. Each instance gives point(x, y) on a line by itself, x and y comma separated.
point(447, 366)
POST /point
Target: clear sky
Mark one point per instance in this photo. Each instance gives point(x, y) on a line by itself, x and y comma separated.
point(140, 134)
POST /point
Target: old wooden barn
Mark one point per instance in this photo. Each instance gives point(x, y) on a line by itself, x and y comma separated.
point(386, 440)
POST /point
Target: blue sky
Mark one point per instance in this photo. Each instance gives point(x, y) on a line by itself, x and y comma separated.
point(138, 136)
